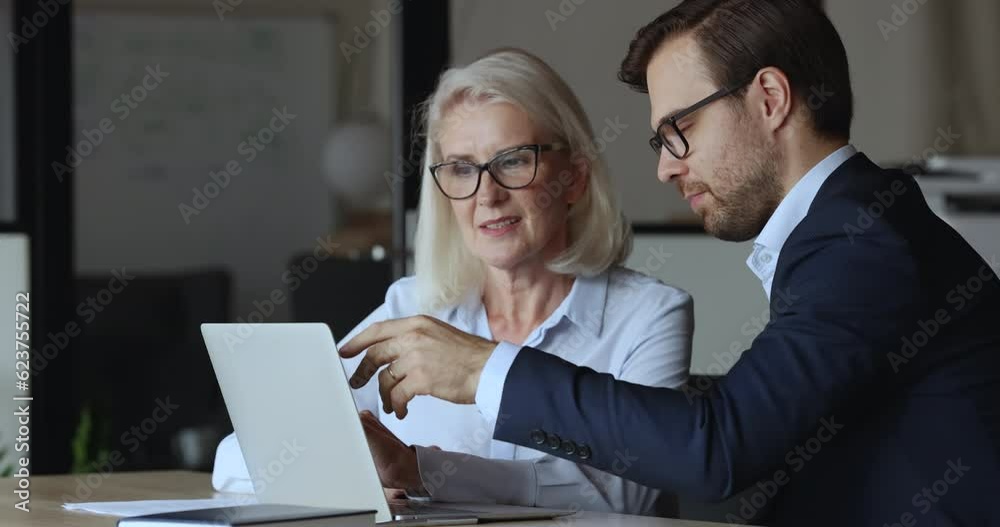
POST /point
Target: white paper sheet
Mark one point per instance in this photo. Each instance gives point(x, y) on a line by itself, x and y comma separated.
point(138, 508)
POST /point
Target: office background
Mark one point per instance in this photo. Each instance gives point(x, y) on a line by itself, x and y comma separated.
point(326, 88)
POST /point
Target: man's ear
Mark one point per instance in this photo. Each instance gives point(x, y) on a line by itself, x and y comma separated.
point(772, 98)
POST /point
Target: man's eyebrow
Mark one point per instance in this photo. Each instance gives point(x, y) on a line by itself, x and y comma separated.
point(670, 115)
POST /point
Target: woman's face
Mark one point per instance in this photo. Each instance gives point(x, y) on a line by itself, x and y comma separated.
point(510, 228)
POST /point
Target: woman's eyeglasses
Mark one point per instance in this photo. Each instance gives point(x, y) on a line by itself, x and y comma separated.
point(511, 169)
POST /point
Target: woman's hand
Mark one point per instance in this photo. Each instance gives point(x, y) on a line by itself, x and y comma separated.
point(396, 462)
point(394, 494)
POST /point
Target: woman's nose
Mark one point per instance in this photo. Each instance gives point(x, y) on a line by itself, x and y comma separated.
point(490, 192)
point(669, 167)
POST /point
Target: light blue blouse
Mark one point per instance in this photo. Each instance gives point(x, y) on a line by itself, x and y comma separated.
point(619, 322)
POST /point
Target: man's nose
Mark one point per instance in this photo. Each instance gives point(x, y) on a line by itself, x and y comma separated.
point(669, 167)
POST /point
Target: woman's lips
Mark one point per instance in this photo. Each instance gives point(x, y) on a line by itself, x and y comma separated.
point(500, 226)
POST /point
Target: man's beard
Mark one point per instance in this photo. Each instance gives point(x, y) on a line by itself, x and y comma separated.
point(748, 195)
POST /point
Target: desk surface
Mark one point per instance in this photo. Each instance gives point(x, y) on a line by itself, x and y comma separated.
point(48, 493)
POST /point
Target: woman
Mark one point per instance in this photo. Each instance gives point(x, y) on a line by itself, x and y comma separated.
point(519, 239)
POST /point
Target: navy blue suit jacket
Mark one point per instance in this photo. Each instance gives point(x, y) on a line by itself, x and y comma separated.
point(872, 397)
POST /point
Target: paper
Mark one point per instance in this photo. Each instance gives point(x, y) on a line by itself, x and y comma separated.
point(139, 508)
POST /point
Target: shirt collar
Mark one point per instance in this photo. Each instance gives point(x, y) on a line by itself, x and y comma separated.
point(583, 306)
point(790, 212)
point(586, 301)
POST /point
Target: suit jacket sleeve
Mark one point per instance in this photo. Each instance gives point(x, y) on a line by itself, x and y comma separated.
point(814, 357)
point(660, 357)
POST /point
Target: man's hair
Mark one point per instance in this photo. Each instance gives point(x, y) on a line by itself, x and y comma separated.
point(739, 37)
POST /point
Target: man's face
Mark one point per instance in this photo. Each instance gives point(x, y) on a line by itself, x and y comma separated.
point(730, 173)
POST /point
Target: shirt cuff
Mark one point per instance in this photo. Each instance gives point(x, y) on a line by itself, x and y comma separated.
point(463, 478)
point(491, 380)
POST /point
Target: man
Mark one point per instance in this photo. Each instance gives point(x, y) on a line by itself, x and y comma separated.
point(871, 397)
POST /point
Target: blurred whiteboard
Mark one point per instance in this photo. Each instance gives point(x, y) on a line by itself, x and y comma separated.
point(224, 82)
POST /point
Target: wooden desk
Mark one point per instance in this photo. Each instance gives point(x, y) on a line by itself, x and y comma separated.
point(47, 497)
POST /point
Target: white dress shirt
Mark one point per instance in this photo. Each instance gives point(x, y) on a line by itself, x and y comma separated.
point(762, 261)
point(790, 212)
point(619, 322)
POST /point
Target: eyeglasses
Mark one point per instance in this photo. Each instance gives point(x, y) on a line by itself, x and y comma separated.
point(668, 134)
point(512, 169)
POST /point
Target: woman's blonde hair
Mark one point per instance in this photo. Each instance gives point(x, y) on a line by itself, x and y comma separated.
point(599, 236)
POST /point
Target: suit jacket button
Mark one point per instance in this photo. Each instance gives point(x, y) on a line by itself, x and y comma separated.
point(554, 442)
point(539, 437)
point(583, 452)
point(568, 447)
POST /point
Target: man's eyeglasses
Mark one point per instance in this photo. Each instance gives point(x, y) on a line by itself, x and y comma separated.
point(668, 134)
point(511, 169)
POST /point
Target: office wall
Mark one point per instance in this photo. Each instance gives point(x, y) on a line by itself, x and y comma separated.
point(901, 84)
point(730, 307)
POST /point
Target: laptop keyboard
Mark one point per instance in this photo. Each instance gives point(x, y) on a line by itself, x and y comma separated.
point(419, 508)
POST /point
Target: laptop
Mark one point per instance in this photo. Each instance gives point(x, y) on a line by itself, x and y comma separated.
point(298, 427)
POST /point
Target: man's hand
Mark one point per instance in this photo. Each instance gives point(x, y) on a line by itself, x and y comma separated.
point(425, 357)
point(396, 462)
